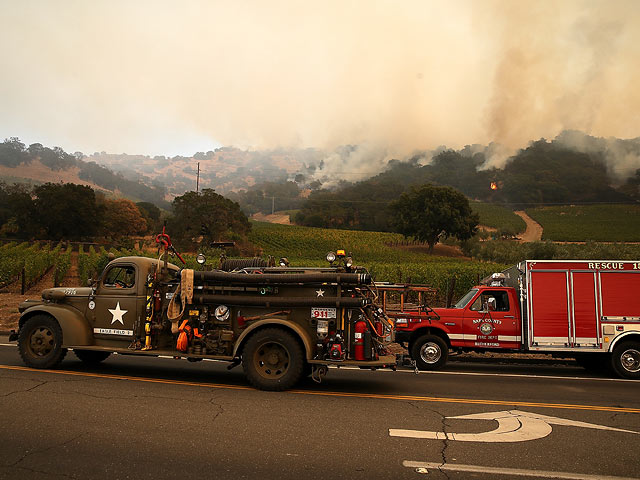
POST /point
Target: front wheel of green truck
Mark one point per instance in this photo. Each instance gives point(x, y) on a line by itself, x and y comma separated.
point(272, 359)
point(40, 342)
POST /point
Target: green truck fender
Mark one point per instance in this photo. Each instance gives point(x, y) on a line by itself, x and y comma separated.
point(276, 322)
point(75, 330)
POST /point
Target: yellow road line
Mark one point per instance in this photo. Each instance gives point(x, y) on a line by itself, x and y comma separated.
point(412, 398)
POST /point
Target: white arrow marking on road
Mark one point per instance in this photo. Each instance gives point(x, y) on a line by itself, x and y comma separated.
point(513, 426)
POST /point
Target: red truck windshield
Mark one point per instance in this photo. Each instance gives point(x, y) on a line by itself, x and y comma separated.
point(466, 299)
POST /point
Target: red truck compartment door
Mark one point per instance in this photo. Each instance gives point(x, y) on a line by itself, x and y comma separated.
point(585, 309)
point(549, 309)
point(620, 294)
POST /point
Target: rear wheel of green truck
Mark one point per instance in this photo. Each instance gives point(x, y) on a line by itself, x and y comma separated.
point(91, 357)
point(272, 359)
point(40, 342)
point(430, 352)
point(625, 359)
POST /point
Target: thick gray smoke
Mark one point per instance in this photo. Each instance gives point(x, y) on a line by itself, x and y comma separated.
point(154, 77)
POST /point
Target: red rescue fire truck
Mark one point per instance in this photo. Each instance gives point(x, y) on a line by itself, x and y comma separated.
point(588, 310)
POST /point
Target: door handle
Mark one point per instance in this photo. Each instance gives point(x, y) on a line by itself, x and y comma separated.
point(509, 316)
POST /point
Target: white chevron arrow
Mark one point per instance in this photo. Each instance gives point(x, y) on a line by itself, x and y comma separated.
point(513, 426)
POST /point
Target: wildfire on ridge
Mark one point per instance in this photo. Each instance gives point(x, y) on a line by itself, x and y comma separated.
point(494, 186)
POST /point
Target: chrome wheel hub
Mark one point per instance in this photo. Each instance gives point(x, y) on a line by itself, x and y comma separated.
point(430, 352)
point(630, 360)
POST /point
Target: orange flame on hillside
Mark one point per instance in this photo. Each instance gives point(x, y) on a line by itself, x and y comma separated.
point(494, 186)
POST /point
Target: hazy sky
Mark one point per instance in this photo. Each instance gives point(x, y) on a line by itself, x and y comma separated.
point(156, 77)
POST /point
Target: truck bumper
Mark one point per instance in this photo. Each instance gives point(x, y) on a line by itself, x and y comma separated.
point(382, 361)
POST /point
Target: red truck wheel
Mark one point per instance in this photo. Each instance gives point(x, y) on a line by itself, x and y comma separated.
point(625, 359)
point(430, 352)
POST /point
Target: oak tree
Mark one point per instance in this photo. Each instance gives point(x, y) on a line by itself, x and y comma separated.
point(431, 213)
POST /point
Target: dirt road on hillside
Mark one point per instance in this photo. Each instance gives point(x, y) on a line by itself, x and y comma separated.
point(533, 233)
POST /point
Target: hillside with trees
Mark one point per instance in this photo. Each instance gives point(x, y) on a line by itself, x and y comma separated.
point(39, 164)
point(66, 211)
point(543, 173)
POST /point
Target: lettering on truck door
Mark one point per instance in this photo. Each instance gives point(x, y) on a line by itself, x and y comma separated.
point(497, 328)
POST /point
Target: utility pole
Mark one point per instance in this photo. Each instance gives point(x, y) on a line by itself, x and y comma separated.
point(198, 179)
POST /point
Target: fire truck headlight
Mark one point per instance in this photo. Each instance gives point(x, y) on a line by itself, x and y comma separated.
point(331, 257)
point(201, 259)
point(348, 262)
point(284, 262)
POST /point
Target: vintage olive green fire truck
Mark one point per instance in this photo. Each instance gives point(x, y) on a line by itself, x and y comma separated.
point(280, 323)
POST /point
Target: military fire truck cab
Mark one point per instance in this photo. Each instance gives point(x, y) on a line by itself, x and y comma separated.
point(589, 310)
point(278, 322)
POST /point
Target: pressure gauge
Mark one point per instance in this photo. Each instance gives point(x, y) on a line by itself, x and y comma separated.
point(222, 313)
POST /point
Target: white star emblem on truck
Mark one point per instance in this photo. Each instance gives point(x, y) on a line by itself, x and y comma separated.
point(117, 314)
point(320, 293)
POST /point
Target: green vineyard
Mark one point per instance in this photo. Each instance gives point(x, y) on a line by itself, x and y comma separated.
point(303, 246)
point(29, 262)
point(374, 250)
point(580, 223)
point(498, 217)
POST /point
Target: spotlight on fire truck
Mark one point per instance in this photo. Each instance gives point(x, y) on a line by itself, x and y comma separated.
point(201, 259)
point(331, 257)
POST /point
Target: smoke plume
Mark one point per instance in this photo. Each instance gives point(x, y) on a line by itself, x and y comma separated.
point(161, 77)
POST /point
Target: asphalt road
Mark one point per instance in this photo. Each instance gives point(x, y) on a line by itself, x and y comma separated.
point(158, 418)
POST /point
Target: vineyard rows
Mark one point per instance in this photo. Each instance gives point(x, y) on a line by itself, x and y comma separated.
point(303, 246)
point(31, 262)
point(579, 223)
point(309, 246)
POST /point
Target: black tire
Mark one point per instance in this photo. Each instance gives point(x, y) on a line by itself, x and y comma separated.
point(91, 357)
point(593, 362)
point(625, 359)
point(40, 342)
point(430, 352)
point(272, 359)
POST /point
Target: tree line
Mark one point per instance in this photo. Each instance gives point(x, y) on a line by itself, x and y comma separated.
point(66, 211)
point(14, 153)
point(543, 173)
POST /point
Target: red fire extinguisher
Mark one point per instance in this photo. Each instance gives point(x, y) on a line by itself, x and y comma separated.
point(360, 328)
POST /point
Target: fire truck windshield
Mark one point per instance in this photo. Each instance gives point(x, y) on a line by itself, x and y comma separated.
point(466, 299)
